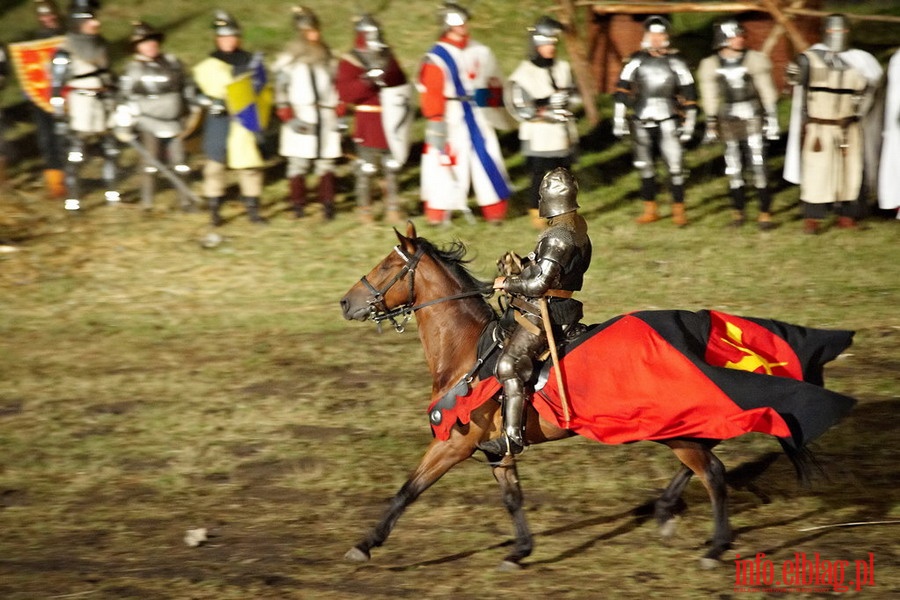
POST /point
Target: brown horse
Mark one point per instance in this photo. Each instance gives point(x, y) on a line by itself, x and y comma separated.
point(452, 310)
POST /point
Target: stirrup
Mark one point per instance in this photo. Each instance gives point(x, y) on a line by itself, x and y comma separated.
point(501, 446)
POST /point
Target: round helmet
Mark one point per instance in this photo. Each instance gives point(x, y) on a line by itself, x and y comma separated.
point(836, 32)
point(724, 31)
point(368, 34)
point(141, 32)
point(657, 24)
point(305, 18)
point(452, 14)
point(46, 7)
point(546, 31)
point(81, 11)
point(225, 25)
point(558, 193)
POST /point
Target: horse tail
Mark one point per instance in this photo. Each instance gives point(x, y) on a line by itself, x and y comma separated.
point(805, 462)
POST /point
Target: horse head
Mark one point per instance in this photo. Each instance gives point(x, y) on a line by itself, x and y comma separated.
point(388, 290)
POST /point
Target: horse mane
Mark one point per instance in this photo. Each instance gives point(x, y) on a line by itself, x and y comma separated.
point(452, 256)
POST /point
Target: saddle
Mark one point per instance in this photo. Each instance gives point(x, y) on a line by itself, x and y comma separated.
point(490, 341)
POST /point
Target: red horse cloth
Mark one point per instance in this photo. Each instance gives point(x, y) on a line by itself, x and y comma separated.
point(655, 375)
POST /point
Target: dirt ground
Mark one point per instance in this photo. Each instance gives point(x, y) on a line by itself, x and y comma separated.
point(276, 529)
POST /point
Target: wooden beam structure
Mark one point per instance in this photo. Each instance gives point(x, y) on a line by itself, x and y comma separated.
point(646, 8)
point(782, 13)
point(587, 87)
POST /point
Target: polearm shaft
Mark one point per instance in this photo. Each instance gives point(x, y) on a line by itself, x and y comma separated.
point(164, 171)
point(551, 342)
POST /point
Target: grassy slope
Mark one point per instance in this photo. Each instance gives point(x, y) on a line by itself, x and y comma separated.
point(148, 385)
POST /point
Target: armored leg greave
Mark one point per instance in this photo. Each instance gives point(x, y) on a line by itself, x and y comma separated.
point(514, 410)
point(364, 192)
point(148, 187)
point(74, 160)
point(391, 190)
point(364, 172)
point(326, 193)
point(514, 369)
point(111, 153)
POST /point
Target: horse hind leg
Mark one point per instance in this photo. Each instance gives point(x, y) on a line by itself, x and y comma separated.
point(670, 502)
point(507, 476)
point(711, 471)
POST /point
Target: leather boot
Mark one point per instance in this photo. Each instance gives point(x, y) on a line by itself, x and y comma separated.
point(651, 212)
point(54, 179)
point(326, 194)
point(536, 221)
point(214, 205)
point(298, 194)
point(764, 222)
point(810, 226)
point(678, 214)
point(738, 201)
point(844, 222)
point(252, 205)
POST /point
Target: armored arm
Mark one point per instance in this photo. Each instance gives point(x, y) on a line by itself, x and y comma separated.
point(536, 279)
point(519, 102)
point(544, 271)
point(4, 68)
point(687, 92)
point(710, 96)
point(797, 75)
point(624, 98)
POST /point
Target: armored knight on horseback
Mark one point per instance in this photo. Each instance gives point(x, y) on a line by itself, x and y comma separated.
point(548, 278)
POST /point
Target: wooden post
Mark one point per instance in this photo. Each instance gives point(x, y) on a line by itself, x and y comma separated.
point(799, 42)
point(580, 64)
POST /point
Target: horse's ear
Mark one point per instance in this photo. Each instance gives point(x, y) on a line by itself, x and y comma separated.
point(406, 241)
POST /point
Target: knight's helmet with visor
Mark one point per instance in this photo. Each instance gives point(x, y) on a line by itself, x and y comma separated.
point(558, 193)
point(545, 32)
point(452, 14)
point(724, 31)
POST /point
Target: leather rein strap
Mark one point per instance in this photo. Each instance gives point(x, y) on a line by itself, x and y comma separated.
point(380, 312)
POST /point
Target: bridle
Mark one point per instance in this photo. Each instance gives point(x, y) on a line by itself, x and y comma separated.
point(378, 310)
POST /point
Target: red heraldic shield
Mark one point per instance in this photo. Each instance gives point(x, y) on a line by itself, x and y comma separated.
point(31, 62)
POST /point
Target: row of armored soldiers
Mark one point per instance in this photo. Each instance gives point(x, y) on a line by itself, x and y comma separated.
point(152, 103)
point(655, 102)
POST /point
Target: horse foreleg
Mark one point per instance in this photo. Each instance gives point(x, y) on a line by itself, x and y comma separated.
point(664, 508)
point(507, 476)
point(440, 457)
point(705, 464)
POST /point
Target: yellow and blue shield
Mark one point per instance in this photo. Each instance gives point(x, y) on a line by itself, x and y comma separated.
point(249, 99)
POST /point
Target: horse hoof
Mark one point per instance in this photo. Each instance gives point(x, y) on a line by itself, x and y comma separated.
point(707, 563)
point(354, 554)
point(667, 529)
point(508, 566)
